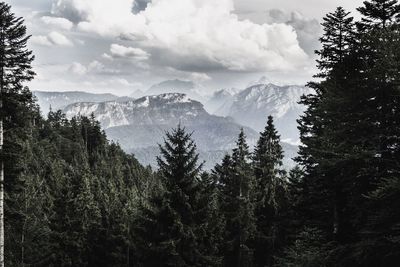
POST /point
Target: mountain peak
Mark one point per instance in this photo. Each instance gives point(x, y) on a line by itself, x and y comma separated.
point(167, 98)
point(193, 90)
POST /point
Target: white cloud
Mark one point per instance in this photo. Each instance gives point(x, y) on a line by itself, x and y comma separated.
point(121, 51)
point(59, 39)
point(78, 68)
point(94, 67)
point(107, 56)
point(61, 23)
point(199, 77)
point(191, 35)
point(40, 40)
point(52, 39)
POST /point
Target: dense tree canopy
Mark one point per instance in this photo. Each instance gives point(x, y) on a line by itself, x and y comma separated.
point(73, 198)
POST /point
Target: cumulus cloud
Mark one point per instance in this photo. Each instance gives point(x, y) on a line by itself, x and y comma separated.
point(120, 51)
point(59, 39)
point(40, 40)
point(61, 23)
point(94, 67)
point(308, 30)
point(52, 39)
point(189, 35)
point(199, 77)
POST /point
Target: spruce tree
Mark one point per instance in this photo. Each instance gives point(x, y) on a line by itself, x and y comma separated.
point(380, 13)
point(323, 153)
point(350, 137)
point(338, 36)
point(236, 184)
point(15, 69)
point(381, 40)
point(170, 224)
point(269, 193)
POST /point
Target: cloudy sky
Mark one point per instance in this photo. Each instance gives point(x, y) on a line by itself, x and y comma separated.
point(119, 46)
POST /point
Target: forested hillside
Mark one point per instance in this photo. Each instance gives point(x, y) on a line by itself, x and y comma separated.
point(72, 198)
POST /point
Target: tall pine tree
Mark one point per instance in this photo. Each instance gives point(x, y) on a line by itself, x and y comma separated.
point(236, 184)
point(269, 193)
point(15, 101)
point(170, 226)
point(323, 154)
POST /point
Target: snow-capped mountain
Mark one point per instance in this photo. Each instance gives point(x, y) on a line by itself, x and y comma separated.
point(194, 91)
point(219, 99)
point(58, 100)
point(139, 125)
point(251, 107)
point(157, 109)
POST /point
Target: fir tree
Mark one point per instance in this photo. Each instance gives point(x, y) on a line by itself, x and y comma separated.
point(338, 37)
point(236, 183)
point(323, 153)
point(15, 101)
point(269, 193)
point(171, 221)
point(380, 13)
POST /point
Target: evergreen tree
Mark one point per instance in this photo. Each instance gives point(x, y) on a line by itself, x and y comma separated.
point(15, 101)
point(269, 193)
point(350, 137)
point(169, 227)
point(380, 13)
point(338, 37)
point(236, 184)
point(323, 154)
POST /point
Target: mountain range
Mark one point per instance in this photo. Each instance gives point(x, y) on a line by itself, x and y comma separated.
point(138, 125)
point(58, 100)
point(251, 107)
point(189, 88)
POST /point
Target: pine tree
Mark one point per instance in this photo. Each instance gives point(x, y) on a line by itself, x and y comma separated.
point(380, 13)
point(381, 39)
point(269, 193)
point(350, 137)
point(211, 219)
point(169, 227)
point(236, 184)
point(15, 69)
point(338, 37)
point(323, 125)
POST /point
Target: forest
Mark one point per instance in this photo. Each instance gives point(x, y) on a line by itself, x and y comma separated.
point(70, 197)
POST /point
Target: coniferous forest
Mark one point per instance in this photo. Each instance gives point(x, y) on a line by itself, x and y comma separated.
point(73, 198)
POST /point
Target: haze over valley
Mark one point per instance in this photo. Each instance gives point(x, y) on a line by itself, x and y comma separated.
point(139, 121)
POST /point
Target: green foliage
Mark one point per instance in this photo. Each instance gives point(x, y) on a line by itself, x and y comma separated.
point(75, 199)
point(236, 184)
point(309, 250)
point(350, 136)
point(380, 13)
point(269, 194)
point(174, 226)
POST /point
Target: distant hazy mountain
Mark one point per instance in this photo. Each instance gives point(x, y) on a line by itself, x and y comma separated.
point(251, 107)
point(137, 94)
point(139, 125)
point(220, 99)
point(59, 100)
point(189, 88)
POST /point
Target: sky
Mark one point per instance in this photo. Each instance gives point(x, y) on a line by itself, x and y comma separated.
point(119, 46)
